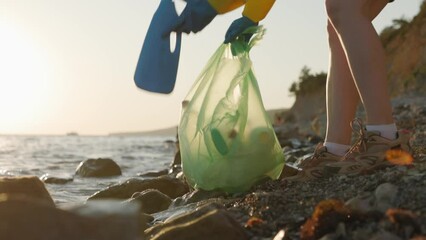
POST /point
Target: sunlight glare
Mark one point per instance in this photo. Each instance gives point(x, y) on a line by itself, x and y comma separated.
point(23, 80)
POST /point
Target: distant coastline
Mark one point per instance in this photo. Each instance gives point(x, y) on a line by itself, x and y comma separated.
point(171, 131)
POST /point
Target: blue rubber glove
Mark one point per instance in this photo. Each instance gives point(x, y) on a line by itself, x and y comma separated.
point(237, 27)
point(196, 15)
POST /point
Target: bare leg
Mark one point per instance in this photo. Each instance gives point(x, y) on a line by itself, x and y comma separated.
point(352, 21)
point(342, 95)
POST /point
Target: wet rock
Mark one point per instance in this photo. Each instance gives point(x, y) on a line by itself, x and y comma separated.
point(169, 186)
point(210, 222)
point(100, 167)
point(102, 208)
point(145, 220)
point(121, 219)
point(174, 211)
point(170, 144)
point(176, 165)
point(196, 196)
point(23, 219)
point(177, 161)
point(154, 174)
point(30, 187)
point(174, 168)
point(151, 200)
point(181, 176)
point(46, 178)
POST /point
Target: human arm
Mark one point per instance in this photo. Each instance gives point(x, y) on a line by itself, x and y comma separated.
point(199, 13)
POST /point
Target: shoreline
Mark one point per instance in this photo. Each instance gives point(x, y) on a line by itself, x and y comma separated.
point(385, 204)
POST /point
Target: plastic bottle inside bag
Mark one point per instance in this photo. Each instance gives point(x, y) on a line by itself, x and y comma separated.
point(224, 133)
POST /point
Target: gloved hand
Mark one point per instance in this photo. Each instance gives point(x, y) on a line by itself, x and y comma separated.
point(237, 27)
point(196, 15)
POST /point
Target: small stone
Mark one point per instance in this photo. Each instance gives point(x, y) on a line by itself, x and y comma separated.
point(386, 195)
point(363, 203)
point(280, 235)
point(343, 178)
point(177, 160)
point(288, 171)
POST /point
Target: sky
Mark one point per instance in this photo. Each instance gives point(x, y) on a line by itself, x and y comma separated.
point(68, 65)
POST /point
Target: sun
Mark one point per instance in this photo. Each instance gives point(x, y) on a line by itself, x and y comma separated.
point(23, 80)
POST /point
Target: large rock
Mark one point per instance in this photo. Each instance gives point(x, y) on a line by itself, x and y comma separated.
point(195, 196)
point(101, 167)
point(154, 174)
point(123, 220)
point(23, 220)
point(151, 201)
point(145, 220)
point(170, 186)
point(29, 187)
point(208, 223)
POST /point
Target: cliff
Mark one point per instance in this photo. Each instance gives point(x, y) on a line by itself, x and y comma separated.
point(405, 47)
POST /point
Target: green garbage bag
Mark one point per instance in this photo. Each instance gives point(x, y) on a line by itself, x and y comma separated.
point(226, 138)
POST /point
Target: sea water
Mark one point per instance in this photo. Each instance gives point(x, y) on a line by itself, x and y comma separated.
point(59, 156)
